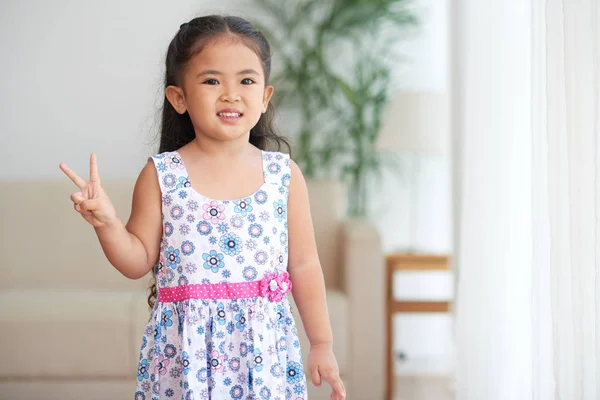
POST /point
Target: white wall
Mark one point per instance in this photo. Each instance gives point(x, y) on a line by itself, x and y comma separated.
point(83, 76)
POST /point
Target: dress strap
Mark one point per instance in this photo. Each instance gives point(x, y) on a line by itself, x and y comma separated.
point(276, 167)
point(172, 174)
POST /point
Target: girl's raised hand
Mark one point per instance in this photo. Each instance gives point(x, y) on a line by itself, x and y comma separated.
point(91, 201)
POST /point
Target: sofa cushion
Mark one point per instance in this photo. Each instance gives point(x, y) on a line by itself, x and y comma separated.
point(72, 334)
point(337, 304)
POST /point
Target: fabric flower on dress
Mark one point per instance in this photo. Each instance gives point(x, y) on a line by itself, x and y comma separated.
point(275, 286)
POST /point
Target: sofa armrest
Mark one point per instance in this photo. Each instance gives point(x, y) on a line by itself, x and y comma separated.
point(363, 278)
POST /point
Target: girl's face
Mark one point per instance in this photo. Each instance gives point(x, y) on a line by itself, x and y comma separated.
point(223, 90)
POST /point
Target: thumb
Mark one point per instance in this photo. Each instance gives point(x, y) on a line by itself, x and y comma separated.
point(316, 377)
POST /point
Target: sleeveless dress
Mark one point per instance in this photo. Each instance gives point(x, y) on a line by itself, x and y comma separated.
point(222, 326)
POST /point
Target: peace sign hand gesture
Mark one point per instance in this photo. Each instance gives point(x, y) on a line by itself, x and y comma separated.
point(91, 201)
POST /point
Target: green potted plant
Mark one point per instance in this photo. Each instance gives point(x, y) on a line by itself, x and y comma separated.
point(337, 76)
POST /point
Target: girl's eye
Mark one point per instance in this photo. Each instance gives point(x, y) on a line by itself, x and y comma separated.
point(211, 82)
point(247, 81)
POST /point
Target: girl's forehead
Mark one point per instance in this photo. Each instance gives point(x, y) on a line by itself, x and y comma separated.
point(225, 53)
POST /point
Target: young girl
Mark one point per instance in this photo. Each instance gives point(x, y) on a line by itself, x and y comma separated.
point(225, 227)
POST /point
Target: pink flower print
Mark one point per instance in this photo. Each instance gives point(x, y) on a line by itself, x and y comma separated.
point(174, 162)
point(214, 212)
point(275, 286)
point(217, 361)
point(161, 364)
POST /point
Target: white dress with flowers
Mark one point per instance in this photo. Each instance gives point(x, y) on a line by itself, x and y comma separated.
point(222, 327)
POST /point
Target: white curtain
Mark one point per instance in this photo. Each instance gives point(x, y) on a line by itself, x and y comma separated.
point(527, 189)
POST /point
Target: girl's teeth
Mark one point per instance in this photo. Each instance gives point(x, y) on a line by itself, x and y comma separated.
point(229, 114)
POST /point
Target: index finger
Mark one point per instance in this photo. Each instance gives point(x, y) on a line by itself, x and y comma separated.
point(94, 174)
point(77, 180)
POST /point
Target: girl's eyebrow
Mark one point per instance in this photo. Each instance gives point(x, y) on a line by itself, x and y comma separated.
point(248, 71)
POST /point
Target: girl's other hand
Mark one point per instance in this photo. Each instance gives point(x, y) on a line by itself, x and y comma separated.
point(91, 201)
point(322, 365)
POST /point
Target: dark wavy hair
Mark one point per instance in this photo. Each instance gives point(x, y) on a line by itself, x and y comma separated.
point(176, 130)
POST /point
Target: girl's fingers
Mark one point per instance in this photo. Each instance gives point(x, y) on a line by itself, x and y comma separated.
point(316, 377)
point(77, 197)
point(90, 205)
point(73, 176)
point(94, 174)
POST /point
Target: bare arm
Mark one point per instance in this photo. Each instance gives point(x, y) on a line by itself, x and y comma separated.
point(308, 285)
point(133, 248)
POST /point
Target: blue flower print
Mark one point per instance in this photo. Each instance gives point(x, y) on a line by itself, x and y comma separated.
point(266, 240)
point(161, 166)
point(240, 259)
point(250, 273)
point(187, 248)
point(222, 227)
point(236, 392)
point(212, 240)
point(226, 274)
point(243, 349)
point(276, 370)
point(144, 342)
point(235, 364)
point(299, 388)
point(241, 321)
point(139, 396)
point(165, 319)
point(182, 195)
point(295, 372)
point(255, 230)
point(243, 206)
point(170, 351)
point(280, 210)
point(213, 261)
point(177, 212)
point(274, 168)
point(220, 314)
point(168, 229)
point(261, 197)
point(172, 257)
point(258, 360)
point(231, 244)
point(169, 180)
point(169, 392)
point(265, 393)
point(203, 374)
point(143, 368)
point(157, 333)
point(230, 327)
point(285, 180)
point(185, 362)
point(204, 228)
point(184, 182)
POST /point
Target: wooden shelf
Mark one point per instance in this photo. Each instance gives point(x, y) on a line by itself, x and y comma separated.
point(408, 262)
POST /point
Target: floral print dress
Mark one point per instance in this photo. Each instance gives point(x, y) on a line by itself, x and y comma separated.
point(222, 327)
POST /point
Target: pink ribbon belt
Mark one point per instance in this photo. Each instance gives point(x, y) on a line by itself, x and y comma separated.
point(272, 286)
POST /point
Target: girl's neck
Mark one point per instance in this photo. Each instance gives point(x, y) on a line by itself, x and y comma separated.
point(216, 148)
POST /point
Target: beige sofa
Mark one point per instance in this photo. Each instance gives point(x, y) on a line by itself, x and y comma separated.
point(71, 325)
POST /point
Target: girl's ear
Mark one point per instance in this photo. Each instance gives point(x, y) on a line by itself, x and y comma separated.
point(267, 97)
point(176, 98)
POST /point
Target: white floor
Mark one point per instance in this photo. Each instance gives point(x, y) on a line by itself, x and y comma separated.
point(423, 388)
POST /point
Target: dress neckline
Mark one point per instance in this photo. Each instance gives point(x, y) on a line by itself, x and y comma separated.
point(195, 191)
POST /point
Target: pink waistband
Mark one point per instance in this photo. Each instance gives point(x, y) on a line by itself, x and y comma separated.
point(273, 286)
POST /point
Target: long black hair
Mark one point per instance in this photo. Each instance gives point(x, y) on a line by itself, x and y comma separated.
point(176, 130)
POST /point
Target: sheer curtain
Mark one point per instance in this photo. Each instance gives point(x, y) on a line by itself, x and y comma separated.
point(527, 146)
